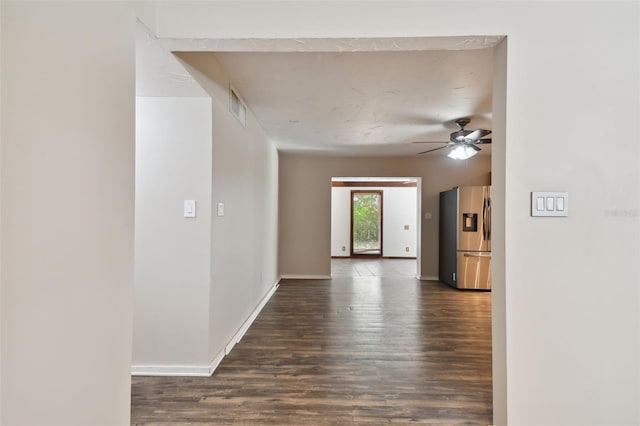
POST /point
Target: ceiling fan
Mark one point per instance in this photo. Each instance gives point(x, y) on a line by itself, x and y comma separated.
point(463, 143)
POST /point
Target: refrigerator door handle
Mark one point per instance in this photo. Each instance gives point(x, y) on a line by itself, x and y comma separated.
point(488, 219)
point(484, 219)
point(476, 255)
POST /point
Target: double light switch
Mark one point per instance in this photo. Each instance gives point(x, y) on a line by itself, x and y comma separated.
point(550, 204)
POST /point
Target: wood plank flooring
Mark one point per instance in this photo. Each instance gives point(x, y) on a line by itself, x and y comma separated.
point(352, 350)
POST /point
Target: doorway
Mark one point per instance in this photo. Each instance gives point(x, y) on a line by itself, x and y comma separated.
point(418, 254)
point(366, 223)
point(374, 226)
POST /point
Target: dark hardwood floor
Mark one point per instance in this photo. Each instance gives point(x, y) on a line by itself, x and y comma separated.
point(350, 350)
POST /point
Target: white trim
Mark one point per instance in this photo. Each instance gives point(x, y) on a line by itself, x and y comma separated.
point(245, 326)
point(204, 370)
point(305, 277)
point(428, 278)
point(178, 370)
point(215, 362)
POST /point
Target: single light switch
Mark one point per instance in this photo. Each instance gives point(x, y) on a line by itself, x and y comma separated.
point(220, 209)
point(189, 208)
point(550, 204)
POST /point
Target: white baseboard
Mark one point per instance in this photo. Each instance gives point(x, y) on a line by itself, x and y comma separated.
point(204, 370)
point(305, 277)
point(428, 278)
point(245, 326)
point(178, 370)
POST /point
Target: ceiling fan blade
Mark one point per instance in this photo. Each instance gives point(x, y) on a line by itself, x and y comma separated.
point(482, 141)
point(430, 142)
point(435, 149)
point(477, 134)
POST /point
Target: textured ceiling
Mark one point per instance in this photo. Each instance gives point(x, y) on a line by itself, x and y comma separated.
point(344, 96)
point(357, 103)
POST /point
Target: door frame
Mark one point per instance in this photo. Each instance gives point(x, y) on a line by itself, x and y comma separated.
point(364, 191)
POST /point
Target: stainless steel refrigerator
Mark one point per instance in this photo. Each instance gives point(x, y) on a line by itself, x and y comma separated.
point(465, 237)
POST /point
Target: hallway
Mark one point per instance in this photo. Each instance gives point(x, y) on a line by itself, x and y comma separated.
point(343, 351)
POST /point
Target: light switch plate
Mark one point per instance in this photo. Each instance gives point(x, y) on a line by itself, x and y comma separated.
point(553, 204)
point(220, 209)
point(189, 208)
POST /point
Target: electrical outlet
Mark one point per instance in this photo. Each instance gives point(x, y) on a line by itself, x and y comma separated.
point(344, 248)
point(406, 249)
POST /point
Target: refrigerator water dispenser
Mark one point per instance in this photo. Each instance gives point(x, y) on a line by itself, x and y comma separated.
point(469, 222)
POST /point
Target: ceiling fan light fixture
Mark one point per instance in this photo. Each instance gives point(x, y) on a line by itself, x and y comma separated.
point(463, 152)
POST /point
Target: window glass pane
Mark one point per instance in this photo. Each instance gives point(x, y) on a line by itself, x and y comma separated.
point(367, 235)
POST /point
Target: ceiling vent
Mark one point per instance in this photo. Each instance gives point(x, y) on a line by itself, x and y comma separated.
point(237, 107)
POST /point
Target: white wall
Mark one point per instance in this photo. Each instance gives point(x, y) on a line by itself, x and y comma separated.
point(498, 223)
point(340, 222)
point(583, 368)
point(198, 280)
point(172, 253)
point(244, 240)
point(399, 209)
point(67, 212)
point(0, 223)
